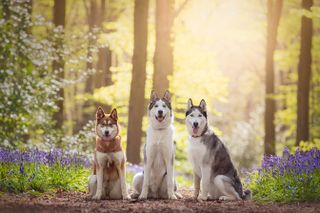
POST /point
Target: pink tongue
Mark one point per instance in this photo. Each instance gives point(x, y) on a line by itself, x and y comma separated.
point(195, 130)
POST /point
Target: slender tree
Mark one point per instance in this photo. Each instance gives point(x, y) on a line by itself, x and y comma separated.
point(304, 75)
point(137, 88)
point(273, 18)
point(163, 55)
point(59, 14)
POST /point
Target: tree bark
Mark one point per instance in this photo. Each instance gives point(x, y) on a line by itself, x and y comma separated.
point(92, 22)
point(273, 18)
point(304, 75)
point(103, 76)
point(137, 88)
point(163, 55)
point(59, 13)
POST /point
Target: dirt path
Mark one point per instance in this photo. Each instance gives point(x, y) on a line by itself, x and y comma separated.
point(76, 202)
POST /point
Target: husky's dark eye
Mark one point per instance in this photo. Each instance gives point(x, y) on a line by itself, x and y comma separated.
point(156, 105)
point(164, 106)
point(191, 115)
point(200, 115)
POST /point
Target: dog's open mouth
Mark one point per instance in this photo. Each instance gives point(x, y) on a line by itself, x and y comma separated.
point(105, 138)
point(195, 130)
point(160, 118)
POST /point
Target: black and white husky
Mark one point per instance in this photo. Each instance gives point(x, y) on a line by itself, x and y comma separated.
point(212, 165)
point(157, 180)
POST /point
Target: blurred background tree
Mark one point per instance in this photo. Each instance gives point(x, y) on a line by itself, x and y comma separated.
point(250, 60)
point(273, 18)
point(138, 81)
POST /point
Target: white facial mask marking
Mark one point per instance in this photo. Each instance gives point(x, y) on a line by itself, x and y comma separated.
point(196, 116)
point(160, 105)
point(111, 129)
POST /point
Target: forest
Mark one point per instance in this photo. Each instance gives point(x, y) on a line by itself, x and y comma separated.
point(256, 63)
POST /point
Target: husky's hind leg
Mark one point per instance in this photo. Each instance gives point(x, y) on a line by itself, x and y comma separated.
point(214, 193)
point(92, 185)
point(137, 185)
point(223, 183)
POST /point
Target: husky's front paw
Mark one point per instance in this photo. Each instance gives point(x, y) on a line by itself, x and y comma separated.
point(143, 196)
point(178, 195)
point(126, 197)
point(172, 197)
point(201, 197)
point(97, 196)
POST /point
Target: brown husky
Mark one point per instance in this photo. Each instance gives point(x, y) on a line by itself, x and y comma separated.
point(108, 178)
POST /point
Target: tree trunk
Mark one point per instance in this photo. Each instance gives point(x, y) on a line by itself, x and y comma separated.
point(103, 76)
point(92, 22)
point(59, 13)
point(137, 89)
point(273, 18)
point(163, 55)
point(304, 75)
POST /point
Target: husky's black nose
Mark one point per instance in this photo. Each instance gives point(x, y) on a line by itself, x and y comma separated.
point(195, 124)
point(160, 112)
point(106, 132)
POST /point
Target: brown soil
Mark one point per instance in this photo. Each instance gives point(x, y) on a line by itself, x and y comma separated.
point(77, 202)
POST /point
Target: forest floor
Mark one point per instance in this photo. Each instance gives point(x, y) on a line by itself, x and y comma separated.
point(77, 202)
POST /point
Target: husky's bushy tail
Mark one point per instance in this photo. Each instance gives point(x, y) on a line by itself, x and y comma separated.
point(247, 194)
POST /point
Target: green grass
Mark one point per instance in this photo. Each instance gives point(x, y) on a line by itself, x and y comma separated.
point(33, 177)
point(286, 188)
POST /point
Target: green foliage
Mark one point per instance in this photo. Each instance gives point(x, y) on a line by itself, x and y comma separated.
point(287, 188)
point(291, 178)
point(308, 145)
point(42, 178)
point(28, 90)
point(29, 87)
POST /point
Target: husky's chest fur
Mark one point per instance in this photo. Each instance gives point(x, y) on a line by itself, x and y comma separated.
point(196, 153)
point(106, 159)
point(159, 146)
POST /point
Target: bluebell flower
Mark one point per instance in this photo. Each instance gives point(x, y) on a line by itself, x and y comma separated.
point(52, 157)
point(22, 169)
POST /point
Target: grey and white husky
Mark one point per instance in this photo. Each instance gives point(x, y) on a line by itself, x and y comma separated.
point(157, 180)
point(212, 165)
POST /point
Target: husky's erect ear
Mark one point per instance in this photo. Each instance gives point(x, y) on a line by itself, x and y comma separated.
point(167, 96)
point(114, 114)
point(203, 105)
point(100, 113)
point(153, 96)
point(189, 104)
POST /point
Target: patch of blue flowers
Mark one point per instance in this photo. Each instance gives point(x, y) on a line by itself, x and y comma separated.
point(49, 158)
point(299, 163)
point(39, 171)
point(287, 178)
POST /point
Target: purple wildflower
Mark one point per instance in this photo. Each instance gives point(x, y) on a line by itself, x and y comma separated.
point(22, 169)
point(54, 156)
point(134, 168)
point(300, 162)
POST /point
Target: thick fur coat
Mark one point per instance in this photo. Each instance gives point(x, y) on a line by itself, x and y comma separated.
point(215, 176)
point(108, 178)
point(157, 180)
